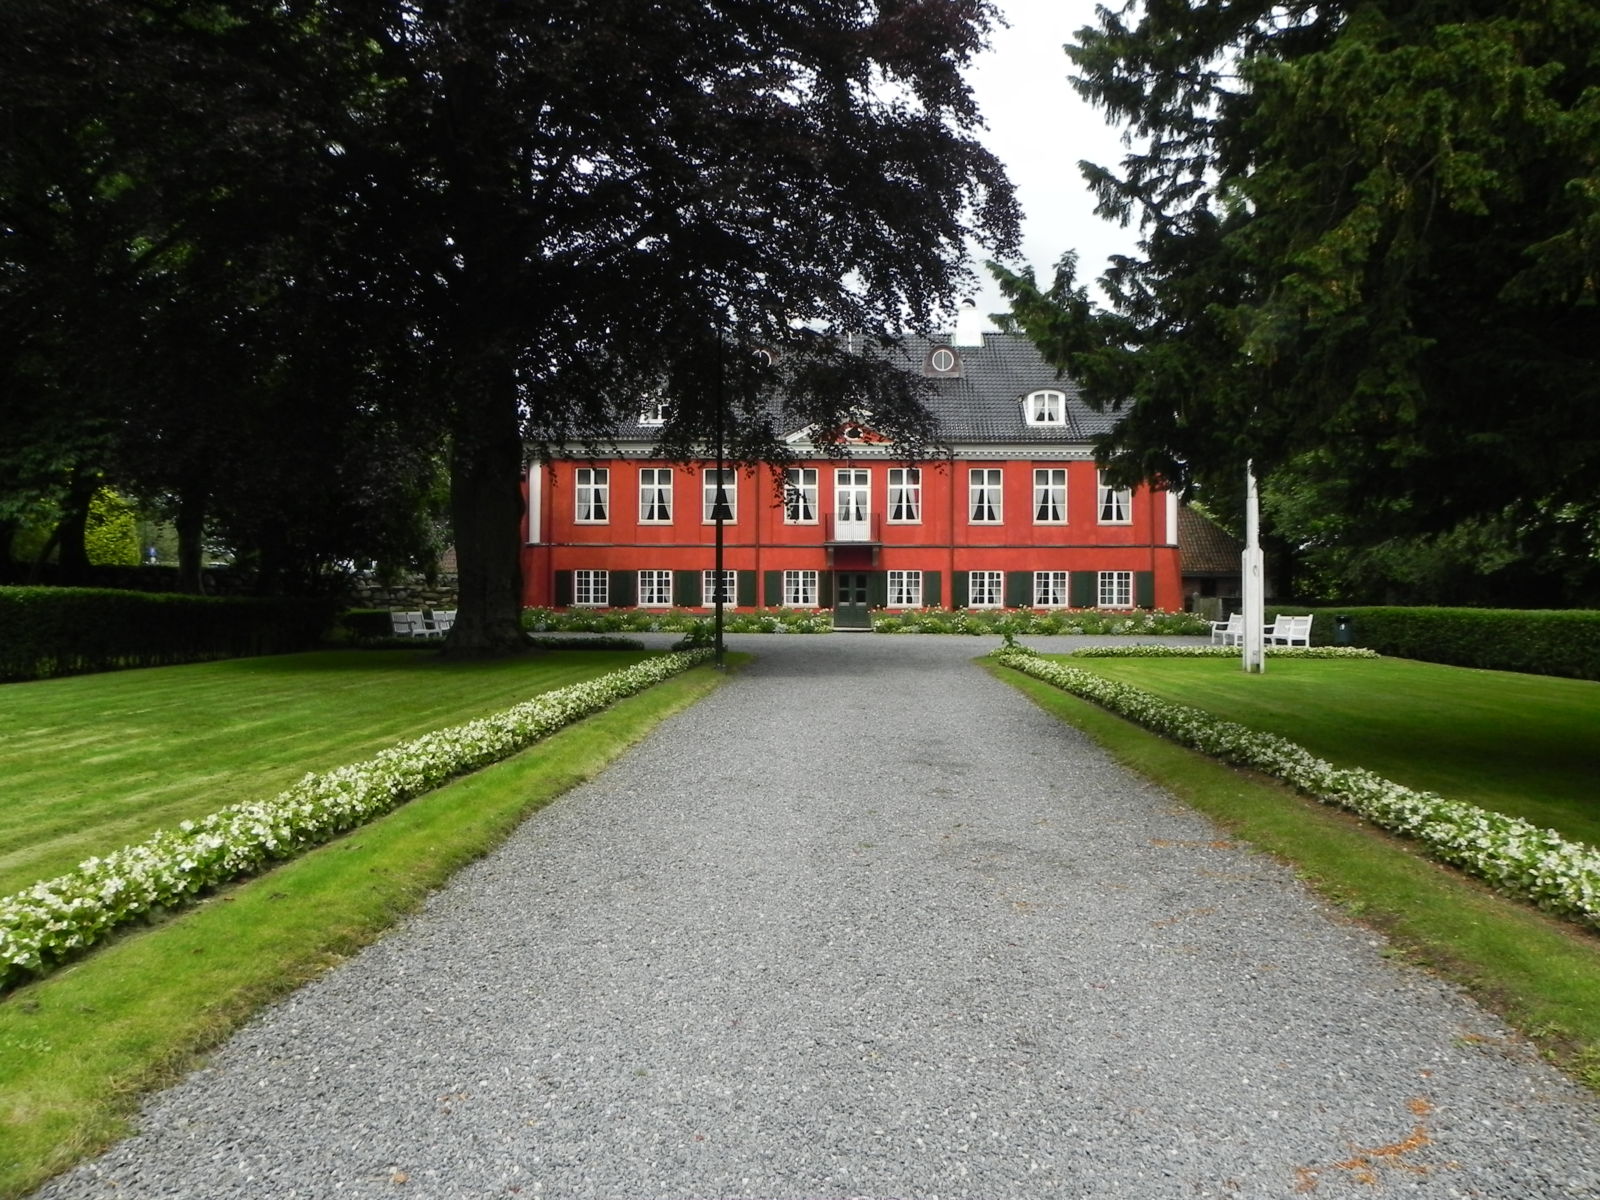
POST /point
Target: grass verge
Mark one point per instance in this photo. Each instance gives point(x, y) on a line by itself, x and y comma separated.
point(82, 1046)
point(1542, 975)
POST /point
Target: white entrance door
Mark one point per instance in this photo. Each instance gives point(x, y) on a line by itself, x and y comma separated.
point(852, 505)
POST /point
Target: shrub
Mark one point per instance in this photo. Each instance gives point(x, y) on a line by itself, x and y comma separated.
point(63, 631)
point(1540, 642)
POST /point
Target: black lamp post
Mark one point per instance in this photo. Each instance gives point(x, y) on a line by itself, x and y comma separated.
point(719, 513)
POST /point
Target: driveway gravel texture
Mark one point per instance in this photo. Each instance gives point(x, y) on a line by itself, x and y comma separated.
point(868, 924)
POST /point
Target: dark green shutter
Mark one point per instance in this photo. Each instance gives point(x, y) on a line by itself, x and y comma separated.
point(1083, 588)
point(1019, 589)
point(744, 591)
point(877, 589)
point(1144, 589)
point(772, 584)
point(622, 589)
point(563, 589)
point(686, 589)
point(930, 589)
point(824, 589)
point(958, 588)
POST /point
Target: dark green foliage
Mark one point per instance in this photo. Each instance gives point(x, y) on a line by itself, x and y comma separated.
point(1539, 642)
point(1371, 246)
point(66, 631)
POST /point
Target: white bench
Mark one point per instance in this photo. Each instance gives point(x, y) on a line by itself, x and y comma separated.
point(1288, 631)
point(1229, 632)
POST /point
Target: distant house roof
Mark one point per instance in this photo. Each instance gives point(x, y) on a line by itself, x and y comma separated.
point(980, 398)
point(1205, 548)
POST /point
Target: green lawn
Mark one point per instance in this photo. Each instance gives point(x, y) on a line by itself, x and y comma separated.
point(94, 762)
point(1525, 745)
point(79, 1047)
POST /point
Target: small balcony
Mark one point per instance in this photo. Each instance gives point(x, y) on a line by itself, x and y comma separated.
point(861, 531)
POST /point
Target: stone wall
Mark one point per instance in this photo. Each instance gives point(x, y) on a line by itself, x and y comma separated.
point(404, 595)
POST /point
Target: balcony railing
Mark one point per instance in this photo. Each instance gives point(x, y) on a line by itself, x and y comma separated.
point(867, 531)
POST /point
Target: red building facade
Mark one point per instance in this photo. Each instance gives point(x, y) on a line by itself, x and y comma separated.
point(1018, 517)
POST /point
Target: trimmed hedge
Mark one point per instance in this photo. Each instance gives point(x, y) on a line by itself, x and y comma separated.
point(69, 631)
point(1536, 641)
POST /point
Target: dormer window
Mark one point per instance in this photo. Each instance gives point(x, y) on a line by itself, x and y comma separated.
point(1046, 407)
point(654, 414)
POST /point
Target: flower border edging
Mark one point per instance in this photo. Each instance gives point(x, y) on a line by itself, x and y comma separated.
point(44, 924)
point(1513, 855)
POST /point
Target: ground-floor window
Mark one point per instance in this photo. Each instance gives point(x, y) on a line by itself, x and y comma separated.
point(985, 589)
point(1050, 589)
point(905, 589)
point(1116, 589)
point(655, 589)
point(708, 587)
point(800, 589)
point(590, 588)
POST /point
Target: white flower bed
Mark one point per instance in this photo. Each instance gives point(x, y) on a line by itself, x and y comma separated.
point(1221, 652)
point(1511, 854)
point(47, 922)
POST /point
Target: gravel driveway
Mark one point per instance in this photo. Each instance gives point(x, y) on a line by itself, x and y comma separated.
point(866, 923)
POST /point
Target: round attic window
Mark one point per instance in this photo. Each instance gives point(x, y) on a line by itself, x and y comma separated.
point(943, 359)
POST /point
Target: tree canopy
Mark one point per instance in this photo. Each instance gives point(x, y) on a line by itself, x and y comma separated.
point(1370, 249)
point(482, 225)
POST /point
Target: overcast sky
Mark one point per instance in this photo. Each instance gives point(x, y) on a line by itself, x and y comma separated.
point(1040, 128)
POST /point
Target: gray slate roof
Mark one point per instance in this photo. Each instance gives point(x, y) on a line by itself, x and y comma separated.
point(984, 403)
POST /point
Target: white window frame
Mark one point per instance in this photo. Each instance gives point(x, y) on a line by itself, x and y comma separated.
point(986, 589)
point(905, 589)
point(1048, 492)
point(655, 496)
point(654, 414)
point(986, 494)
point(708, 495)
point(591, 588)
point(905, 495)
point(592, 495)
point(799, 495)
point(1115, 504)
point(1114, 589)
point(800, 589)
point(1047, 406)
point(730, 588)
point(655, 589)
point(1051, 589)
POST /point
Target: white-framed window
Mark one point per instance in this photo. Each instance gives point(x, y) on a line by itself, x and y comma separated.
point(905, 495)
point(653, 413)
point(985, 589)
point(983, 496)
point(708, 591)
point(594, 496)
point(800, 496)
point(1050, 589)
point(1045, 407)
point(655, 589)
point(800, 589)
point(1116, 504)
point(905, 589)
point(591, 589)
point(1050, 496)
point(709, 491)
point(655, 495)
point(1116, 589)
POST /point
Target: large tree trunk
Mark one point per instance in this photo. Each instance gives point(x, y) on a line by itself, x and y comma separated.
point(190, 522)
point(486, 513)
point(72, 556)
